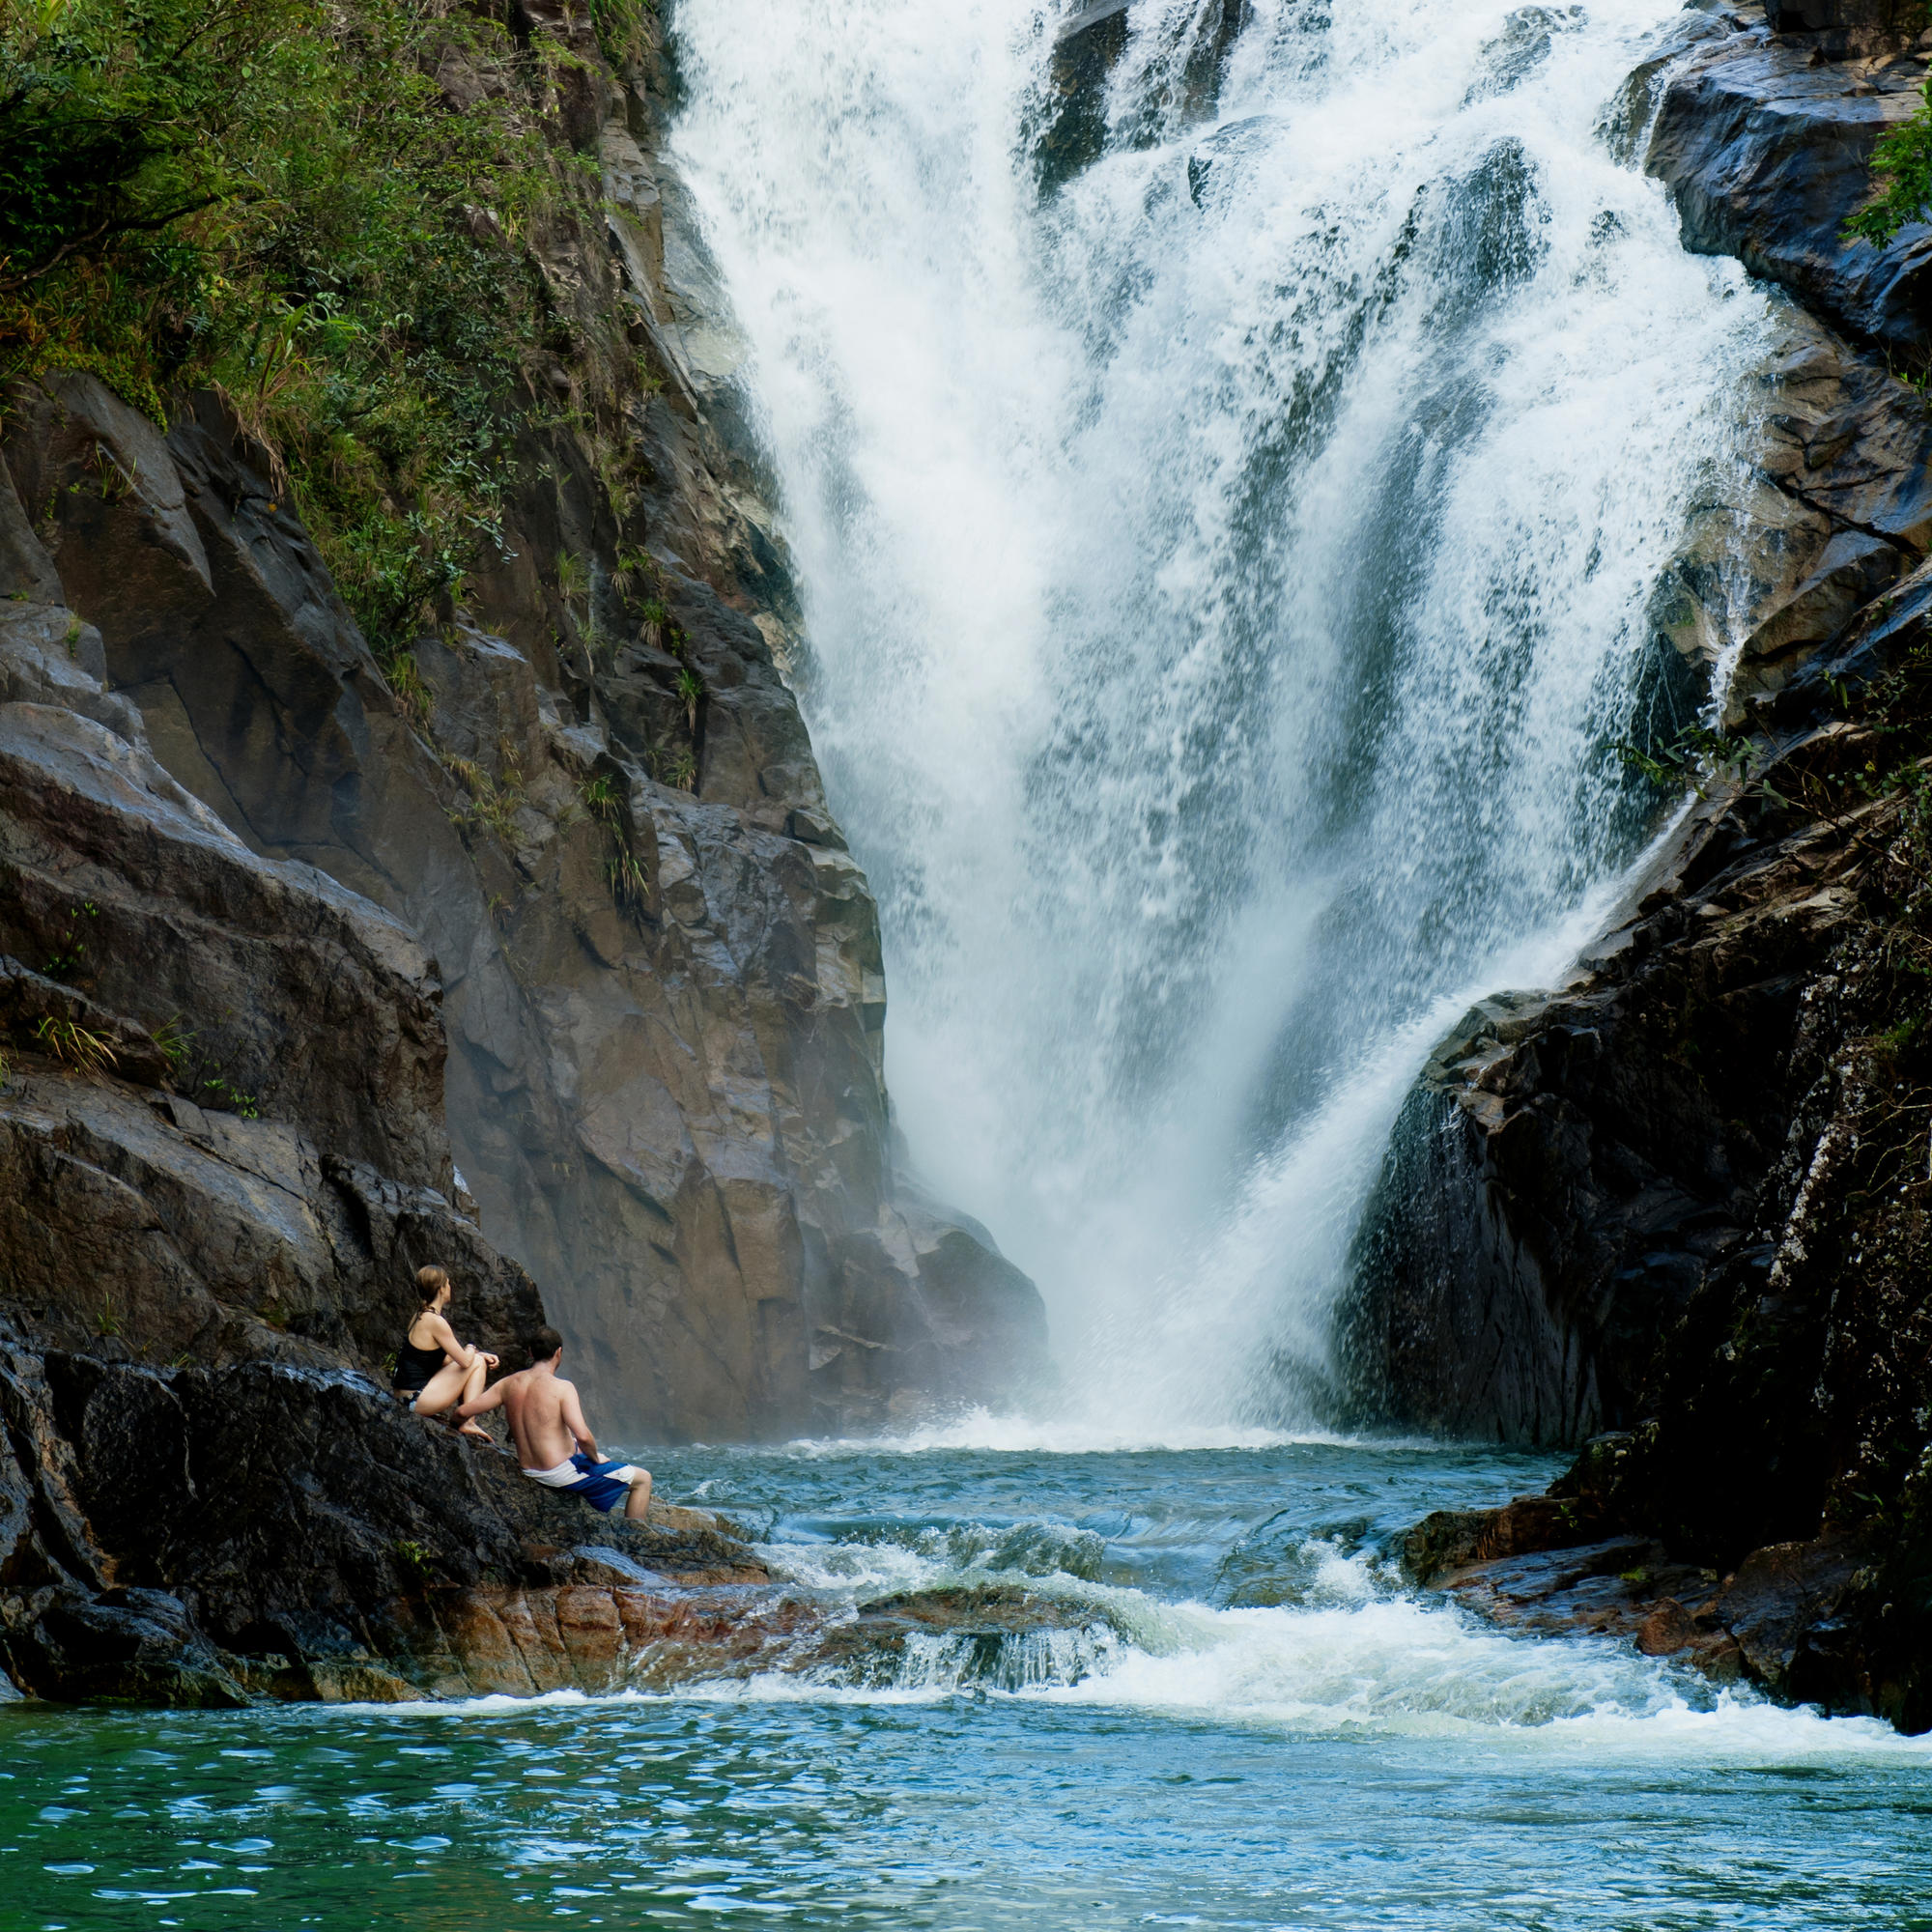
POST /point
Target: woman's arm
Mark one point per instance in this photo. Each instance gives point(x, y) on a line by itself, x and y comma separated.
point(459, 1352)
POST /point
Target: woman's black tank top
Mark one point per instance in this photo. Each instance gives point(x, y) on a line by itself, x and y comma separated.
point(414, 1366)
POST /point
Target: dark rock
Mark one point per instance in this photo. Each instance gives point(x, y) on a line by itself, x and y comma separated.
point(1089, 43)
point(1453, 1540)
point(1780, 1599)
point(1894, 17)
point(1768, 152)
point(1774, 1622)
point(126, 1646)
point(1565, 1175)
point(27, 573)
point(269, 1528)
point(1884, 636)
point(156, 911)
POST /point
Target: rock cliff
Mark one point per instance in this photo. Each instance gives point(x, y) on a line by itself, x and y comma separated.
point(532, 949)
point(1683, 1198)
point(587, 804)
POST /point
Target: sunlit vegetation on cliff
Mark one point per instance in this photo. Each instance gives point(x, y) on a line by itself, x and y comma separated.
point(1901, 178)
point(292, 201)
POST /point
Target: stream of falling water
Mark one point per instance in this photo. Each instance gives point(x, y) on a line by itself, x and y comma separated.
point(1224, 572)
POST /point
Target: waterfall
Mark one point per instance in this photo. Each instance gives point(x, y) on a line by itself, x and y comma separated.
point(1224, 570)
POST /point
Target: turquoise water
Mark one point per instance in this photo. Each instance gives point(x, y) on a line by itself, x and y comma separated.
point(1265, 1732)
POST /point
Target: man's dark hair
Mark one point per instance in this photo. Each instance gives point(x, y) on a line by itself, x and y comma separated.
point(544, 1344)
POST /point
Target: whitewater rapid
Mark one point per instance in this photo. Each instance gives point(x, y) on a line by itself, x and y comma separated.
point(1242, 1586)
point(1224, 577)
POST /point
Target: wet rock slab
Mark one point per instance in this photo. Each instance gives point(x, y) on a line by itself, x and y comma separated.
point(1766, 142)
point(1543, 1565)
point(635, 1632)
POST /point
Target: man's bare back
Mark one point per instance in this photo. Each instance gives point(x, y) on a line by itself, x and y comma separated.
point(553, 1441)
point(545, 1418)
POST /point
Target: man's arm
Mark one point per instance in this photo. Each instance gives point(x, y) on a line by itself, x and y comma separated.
point(491, 1398)
point(573, 1420)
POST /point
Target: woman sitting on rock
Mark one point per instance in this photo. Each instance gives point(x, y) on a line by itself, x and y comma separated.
point(434, 1370)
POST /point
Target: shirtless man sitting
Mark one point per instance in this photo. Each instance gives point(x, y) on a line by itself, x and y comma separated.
point(553, 1440)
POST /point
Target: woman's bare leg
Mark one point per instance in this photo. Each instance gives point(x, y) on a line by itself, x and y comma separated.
point(473, 1387)
point(444, 1389)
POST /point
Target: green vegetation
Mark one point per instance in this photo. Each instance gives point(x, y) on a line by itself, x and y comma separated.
point(66, 961)
point(1700, 758)
point(414, 1558)
point(277, 199)
point(493, 804)
point(689, 688)
point(77, 1046)
point(635, 568)
point(607, 800)
point(622, 874)
point(602, 799)
point(1902, 176)
point(412, 689)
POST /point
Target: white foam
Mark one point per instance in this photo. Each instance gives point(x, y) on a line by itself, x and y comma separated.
point(1012, 1433)
point(1356, 1661)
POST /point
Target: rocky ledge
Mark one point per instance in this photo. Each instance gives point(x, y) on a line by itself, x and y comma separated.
point(203, 1536)
point(216, 1537)
point(1805, 1620)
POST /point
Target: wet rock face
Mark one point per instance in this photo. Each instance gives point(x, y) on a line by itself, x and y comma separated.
point(191, 1163)
point(1090, 44)
point(1767, 144)
point(1799, 1619)
point(584, 889)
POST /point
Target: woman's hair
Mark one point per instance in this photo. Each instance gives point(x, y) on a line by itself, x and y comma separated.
point(430, 1283)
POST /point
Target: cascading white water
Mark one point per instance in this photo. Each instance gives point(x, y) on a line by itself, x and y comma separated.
point(1224, 575)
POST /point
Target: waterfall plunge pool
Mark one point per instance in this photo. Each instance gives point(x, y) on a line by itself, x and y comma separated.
point(1283, 1737)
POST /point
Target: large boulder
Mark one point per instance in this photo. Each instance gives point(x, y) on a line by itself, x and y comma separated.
point(1767, 147)
point(204, 1537)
